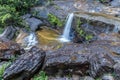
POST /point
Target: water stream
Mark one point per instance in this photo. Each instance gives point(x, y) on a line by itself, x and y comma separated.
point(116, 28)
point(30, 40)
point(66, 33)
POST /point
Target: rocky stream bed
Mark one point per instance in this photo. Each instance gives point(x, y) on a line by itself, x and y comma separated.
point(93, 52)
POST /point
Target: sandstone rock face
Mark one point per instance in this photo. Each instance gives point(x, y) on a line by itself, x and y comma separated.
point(26, 65)
point(92, 59)
point(9, 49)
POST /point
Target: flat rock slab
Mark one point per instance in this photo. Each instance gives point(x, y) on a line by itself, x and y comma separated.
point(26, 65)
point(92, 59)
point(9, 49)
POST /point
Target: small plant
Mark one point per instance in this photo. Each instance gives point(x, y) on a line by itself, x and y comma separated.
point(82, 33)
point(2, 69)
point(54, 20)
point(1, 30)
point(41, 76)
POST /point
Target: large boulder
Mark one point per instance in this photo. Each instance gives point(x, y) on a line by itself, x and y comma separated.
point(8, 34)
point(26, 65)
point(33, 23)
point(92, 59)
point(115, 3)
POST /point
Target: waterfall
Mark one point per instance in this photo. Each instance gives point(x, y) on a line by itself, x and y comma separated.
point(30, 40)
point(66, 33)
point(116, 28)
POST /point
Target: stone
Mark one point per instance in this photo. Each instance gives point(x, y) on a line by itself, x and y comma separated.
point(117, 71)
point(108, 77)
point(92, 59)
point(33, 23)
point(8, 34)
point(109, 36)
point(60, 78)
point(40, 12)
point(26, 16)
point(20, 38)
point(26, 65)
point(86, 78)
point(8, 50)
point(115, 3)
point(94, 24)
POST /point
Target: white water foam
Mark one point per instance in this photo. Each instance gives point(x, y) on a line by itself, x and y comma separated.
point(30, 40)
point(66, 33)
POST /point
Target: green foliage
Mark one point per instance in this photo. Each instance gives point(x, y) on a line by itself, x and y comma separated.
point(1, 30)
point(54, 20)
point(8, 15)
point(40, 76)
point(81, 32)
point(11, 10)
point(2, 69)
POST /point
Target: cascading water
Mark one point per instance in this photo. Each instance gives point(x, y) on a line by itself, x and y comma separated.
point(66, 33)
point(116, 28)
point(30, 40)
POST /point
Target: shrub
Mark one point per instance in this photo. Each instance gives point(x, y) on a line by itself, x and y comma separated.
point(81, 31)
point(11, 10)
point(41, 76)
point(54, 20)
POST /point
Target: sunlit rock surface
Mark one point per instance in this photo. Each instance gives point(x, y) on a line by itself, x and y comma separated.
point(92, 59)
point(8, 50)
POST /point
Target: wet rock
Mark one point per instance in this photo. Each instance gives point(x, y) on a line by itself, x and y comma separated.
point(61, 8)
point(30, 41)
point(60, 78)
point(75, 77)
point(20, 38)
point(92, 59)
point(26, 16)
point(89, 26)
point(86, 78)
point(117, 71)
point(8, 50)
point(41, 12)
point(110, 37)
point(63, 62)
point(108, 77)
point(33, 23)
point(8, 33)
point(26, 65)
point(115, 3)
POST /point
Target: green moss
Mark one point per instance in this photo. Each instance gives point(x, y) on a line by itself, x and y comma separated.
point(57, 7)
point(1, 30)
point(2, 69)
point(54, 20)
point(41, 76)
point(81, 32)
